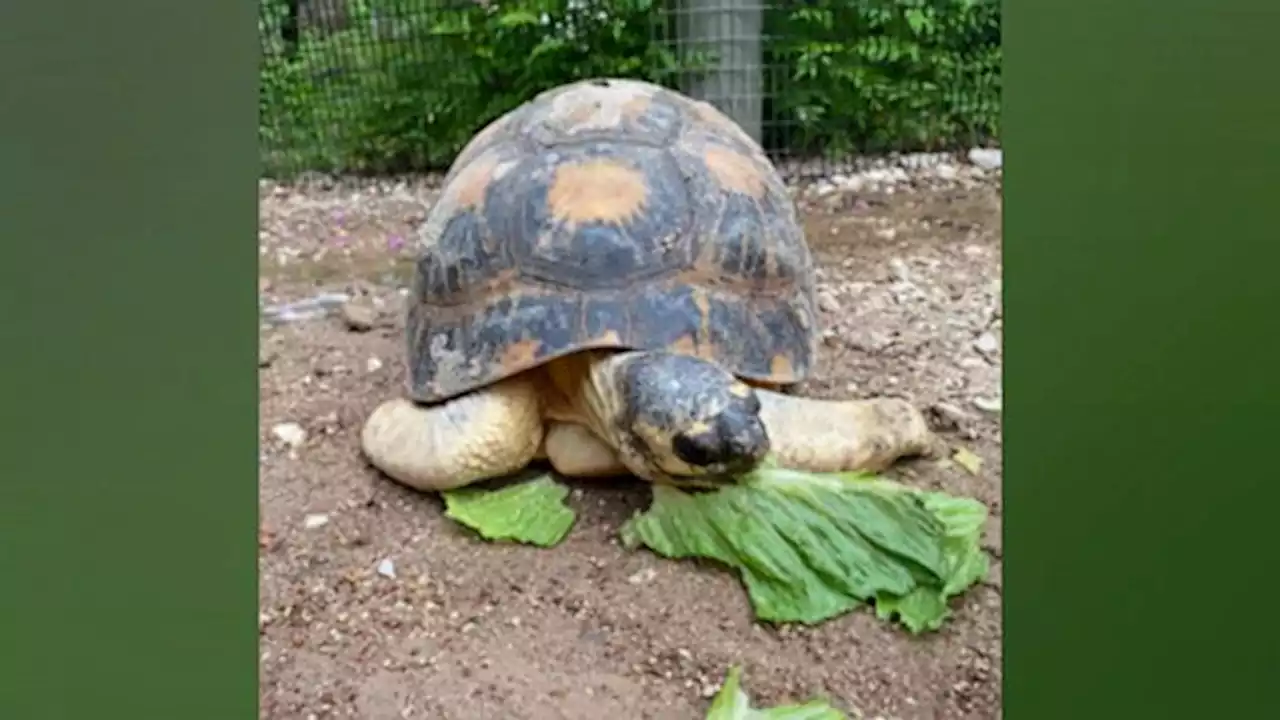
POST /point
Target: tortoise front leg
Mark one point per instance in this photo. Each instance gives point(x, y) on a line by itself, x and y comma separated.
point(574, 451)
point(842, 435)
point(487, 434)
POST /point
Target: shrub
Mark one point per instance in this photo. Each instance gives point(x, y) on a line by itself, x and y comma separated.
point(407, 86)
point(876, 75)
point(402, 84)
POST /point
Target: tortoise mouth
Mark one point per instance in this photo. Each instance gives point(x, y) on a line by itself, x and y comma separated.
point(710, 482)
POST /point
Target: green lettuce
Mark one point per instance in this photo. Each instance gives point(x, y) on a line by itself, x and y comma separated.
point(811, 546)
point(731, 703)
point(531, 512)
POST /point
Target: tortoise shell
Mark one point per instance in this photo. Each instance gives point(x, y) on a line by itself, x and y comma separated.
point(609, 214)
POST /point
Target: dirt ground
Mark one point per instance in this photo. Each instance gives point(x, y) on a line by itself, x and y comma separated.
point(910, 292)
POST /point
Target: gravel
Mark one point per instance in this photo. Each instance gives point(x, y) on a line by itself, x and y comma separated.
point(387, 609)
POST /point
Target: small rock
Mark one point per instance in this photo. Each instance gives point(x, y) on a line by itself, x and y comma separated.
point(987, 344)
point(329, 422)
point(869, 341)
point(879, 176)
point(987, 158)
point(898, 270)
point(387, 569)
point(852, 184)
point(373, 365)
point(358, 316)
point(966, 459)
point(827, 302)
point(946, 172)
point(824, 189)
point(986, 404)
point(643, 576)
point(316, 520)
point(290, 434)
point(948, 416)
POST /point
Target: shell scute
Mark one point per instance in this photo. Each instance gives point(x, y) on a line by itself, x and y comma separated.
point(609, 214)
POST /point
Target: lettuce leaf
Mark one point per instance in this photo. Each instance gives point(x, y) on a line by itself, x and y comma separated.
point(731, 703)
point(811, 546)
point(531, 512)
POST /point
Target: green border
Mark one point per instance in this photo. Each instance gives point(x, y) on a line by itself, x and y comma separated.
point(1141, 351)
point(129, 578)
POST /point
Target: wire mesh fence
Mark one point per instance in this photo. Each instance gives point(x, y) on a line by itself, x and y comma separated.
point(379, 86)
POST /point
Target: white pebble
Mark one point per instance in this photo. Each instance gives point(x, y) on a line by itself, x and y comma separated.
point(290, 434)
point(987, 344)
point(987, 158)
point(387, 569)
point(311, 522)
point(827, 302)
point(898, 269)
point(373, 365)
point(986, 404)
point(643, 576)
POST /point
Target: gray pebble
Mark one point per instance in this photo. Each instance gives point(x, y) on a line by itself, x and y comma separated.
point(827, 302)
point(987, 158)
point(359, 317)
point(987, 344)
point(986, 404)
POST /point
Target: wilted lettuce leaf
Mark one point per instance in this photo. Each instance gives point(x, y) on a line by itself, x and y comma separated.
point(731, 703)
point(812, 546)
point(531, 512)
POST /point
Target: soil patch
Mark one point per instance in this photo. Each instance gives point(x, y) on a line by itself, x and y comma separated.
point(910, 289)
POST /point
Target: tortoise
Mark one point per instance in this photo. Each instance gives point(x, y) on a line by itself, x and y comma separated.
point(614, 280)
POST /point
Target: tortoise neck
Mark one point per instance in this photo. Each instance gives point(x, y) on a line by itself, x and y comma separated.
point(588, 381)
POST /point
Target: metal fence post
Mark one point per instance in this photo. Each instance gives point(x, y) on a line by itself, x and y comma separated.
point(730, 31)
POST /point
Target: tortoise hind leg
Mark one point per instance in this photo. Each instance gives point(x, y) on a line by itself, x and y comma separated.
point(486, 434)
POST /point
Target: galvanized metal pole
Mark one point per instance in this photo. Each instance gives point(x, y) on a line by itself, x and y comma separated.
point(730, 32)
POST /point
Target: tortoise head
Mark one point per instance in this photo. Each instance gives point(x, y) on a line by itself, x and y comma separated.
point(686, 419)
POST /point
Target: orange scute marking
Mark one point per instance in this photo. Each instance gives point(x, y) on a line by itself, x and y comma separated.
point(684, 345)
point(635, 108)
point(596, 191)
point(468, 188)
point(610, 337)
point(780, 366)
point(735, 172)
point(520, 355)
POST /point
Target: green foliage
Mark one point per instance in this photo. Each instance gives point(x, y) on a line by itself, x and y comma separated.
point(875, 75)
point(406, 84)
point(403, 84)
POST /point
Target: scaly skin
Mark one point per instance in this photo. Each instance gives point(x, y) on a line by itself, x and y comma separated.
point(842, 435)
point(576, 414)
point(470, 438)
